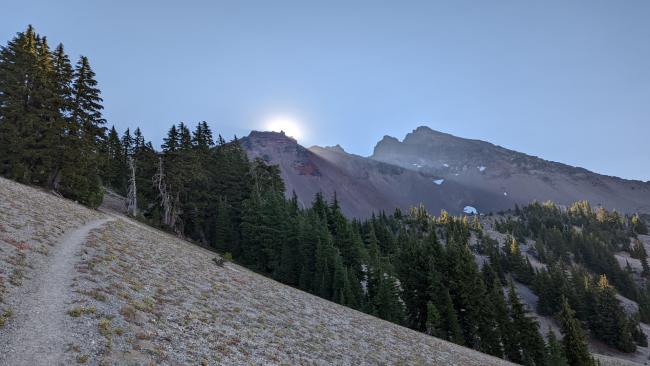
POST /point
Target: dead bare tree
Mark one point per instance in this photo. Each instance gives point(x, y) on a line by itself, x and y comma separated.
point(132, 193)
point(171, 216)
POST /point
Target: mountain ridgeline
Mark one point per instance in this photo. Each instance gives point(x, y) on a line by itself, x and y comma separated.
point(440, 171)
point(405, 266)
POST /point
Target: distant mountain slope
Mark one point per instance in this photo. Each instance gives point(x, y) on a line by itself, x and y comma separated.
point(138, 296)
point(307, 173)
point(442, 172)
point(516, 177)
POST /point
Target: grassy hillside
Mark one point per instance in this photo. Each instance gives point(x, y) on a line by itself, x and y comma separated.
point(141, 296)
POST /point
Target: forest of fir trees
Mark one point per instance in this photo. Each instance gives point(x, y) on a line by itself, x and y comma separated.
point(578, 247)
point(410, 268)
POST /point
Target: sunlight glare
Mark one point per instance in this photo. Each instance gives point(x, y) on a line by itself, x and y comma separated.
point(287, 124)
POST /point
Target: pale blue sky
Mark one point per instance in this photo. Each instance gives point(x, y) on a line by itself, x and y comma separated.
point(564, 80)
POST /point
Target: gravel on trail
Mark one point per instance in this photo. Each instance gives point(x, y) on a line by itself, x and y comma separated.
point(37, 335)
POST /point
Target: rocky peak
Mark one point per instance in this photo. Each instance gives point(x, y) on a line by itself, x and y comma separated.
point(271, 136)
point(336, 148)
point(385, 145)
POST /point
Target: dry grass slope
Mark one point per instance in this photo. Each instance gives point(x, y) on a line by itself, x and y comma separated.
point(141, 296)
point(30, 223)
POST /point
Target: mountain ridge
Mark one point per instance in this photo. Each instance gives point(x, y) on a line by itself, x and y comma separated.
point(441, 171)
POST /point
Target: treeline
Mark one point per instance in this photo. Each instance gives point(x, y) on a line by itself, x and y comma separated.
point(409, 268)
point(578, 247)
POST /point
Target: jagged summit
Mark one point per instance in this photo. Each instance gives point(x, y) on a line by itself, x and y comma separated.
point(426, 130)
point(386, 142)
point(337, 148)
point(271, 135)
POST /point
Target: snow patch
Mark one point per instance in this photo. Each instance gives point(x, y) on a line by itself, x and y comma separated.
point(505, 193)
point(438, 181)
point(417, 165)
point(481, 168)
point(470, 210)
point(445, 165)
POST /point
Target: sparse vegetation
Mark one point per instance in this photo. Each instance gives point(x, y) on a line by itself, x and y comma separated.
point(5, 316)
point(82, 359)
point(79, 311)
point(104, 327)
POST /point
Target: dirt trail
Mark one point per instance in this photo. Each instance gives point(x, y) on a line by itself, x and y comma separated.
point(38, 336)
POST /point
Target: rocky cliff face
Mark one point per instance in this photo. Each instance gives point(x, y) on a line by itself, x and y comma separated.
point(441, 171)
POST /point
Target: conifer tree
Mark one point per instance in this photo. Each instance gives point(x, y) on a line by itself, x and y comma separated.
point(644, 307)
point(127, 144)
point(115, 171)
point(80, 176)
point(138, 140)
point(488, 330)
point(574, 341)
point(525, 333)
point(554, 352)
point(62, 83)
point(434, 321)
point(500, 313)
point(170, 143)
point(638, 334)
point(48, 128)
point(466, 289)
point(224, 234)
point(386, 302)
point(202, 136)
point(415, 267)
point(184, 136)
point(609, 322)
point(26, 106)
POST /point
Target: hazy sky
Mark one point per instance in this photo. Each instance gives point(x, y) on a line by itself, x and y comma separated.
point(564, 80)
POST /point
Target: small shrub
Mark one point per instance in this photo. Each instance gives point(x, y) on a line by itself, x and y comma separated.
point(146, 305)
point(105, 327)
point(79, 311)
point(128, 312)
point(98, 295)
point(4, 316)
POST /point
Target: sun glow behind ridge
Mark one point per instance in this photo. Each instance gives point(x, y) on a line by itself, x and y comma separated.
point(290, 126)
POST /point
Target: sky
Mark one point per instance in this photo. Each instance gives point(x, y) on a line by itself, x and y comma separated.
point(564, 80)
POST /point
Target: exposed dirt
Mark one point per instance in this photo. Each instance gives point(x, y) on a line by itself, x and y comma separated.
point(38, 333)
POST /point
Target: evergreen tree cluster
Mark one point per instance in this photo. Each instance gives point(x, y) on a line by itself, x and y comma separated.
point(578, 245)
point(51, 125)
